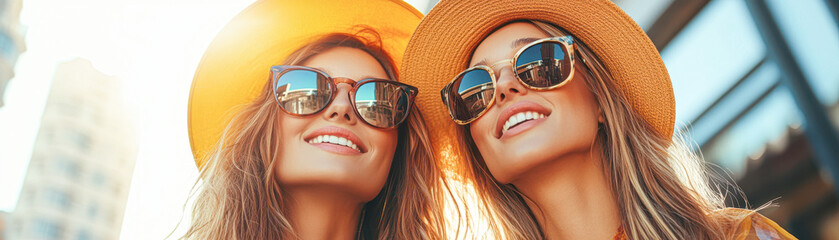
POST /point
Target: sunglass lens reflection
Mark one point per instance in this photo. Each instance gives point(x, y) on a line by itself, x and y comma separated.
point(473, 91)
point(543, 65)
point(381, 104)
point(302, 91)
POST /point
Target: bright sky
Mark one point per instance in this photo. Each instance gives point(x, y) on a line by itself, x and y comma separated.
point(153, 46)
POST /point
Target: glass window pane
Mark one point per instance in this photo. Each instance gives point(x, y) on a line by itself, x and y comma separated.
point(710, 55)
point(757, 84)
point(47, 229)
point(767, 121)
point(812, 34)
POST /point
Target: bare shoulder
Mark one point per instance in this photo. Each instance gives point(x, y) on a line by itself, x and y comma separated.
point(747, 225)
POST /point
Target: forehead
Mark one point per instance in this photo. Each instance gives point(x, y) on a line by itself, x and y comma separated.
point(499, 44)
point(347, 62)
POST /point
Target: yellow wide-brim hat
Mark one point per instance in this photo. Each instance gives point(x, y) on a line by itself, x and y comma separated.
point(236, 65)
point(445, 39)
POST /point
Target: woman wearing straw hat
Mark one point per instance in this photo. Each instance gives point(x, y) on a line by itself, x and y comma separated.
point(562, 112)
point(322, 142)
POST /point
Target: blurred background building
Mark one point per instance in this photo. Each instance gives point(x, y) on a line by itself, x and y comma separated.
point(757, 84)
point(11, 41)
point(79, 175)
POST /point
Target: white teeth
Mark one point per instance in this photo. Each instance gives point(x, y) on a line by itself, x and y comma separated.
point(334, 140)
point(519, 118)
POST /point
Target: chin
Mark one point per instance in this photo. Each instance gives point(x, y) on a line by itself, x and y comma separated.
point(507, 169)
point(338, 176)
point(516, 161)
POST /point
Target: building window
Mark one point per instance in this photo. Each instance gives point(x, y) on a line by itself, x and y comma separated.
point(84, 235)
point(701, 59)
point(98, 179)
point(58, 198)
point(67, 166)
point(811, 33)
point(44, 228)
point(767, 121)
point(7, 47)
point(92, 211)
point(79, 139)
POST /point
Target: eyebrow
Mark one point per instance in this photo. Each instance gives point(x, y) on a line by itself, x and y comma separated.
point(369, 77)
point(482, 62)
point(323, 70)
point(522, 41)
point(515, 44)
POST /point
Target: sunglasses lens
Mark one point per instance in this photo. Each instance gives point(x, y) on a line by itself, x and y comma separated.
point(545, 64)
point(302, 92)
point(470, 94)
point(381, 104)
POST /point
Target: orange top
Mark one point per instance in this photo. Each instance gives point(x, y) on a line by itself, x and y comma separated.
point(620, 235)
point(753, 226)
point(756, 226)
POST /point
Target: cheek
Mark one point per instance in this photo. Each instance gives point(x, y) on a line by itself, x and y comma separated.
point(575, 129)
point(385, 144)
point(481, 131)
point(374, 174)
point(290, 129)
point(575, 125)
point(290, 162)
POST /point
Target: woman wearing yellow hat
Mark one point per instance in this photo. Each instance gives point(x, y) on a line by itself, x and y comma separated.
point(563, 114)
point(302, 131)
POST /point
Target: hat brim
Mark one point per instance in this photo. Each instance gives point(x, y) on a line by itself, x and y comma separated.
point(443, 43)
point(236, 65)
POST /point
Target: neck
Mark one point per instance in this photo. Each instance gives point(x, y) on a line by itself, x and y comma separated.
point(324, 213)
point(574, 197)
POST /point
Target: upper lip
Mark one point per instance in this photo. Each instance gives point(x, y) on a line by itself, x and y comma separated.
point(338, 132)
point(522, 106)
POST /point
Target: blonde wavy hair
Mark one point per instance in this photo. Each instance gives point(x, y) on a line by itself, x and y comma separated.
point(662, 188)
point(238, 196)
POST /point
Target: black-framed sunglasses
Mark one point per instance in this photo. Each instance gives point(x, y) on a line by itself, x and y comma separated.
point(541, 65)
point(303, 91)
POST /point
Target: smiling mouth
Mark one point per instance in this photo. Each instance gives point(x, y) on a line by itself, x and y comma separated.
point(336, 139)
point(520, 118)
point(340, 141)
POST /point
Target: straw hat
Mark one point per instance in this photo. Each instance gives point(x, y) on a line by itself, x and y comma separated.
point(236, 64)
point(445, 39)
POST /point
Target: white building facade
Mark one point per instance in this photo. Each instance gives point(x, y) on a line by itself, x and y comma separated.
point(77, 182)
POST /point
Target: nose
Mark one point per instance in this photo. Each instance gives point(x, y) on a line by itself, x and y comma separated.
point(341, 109)
point(507, 85)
